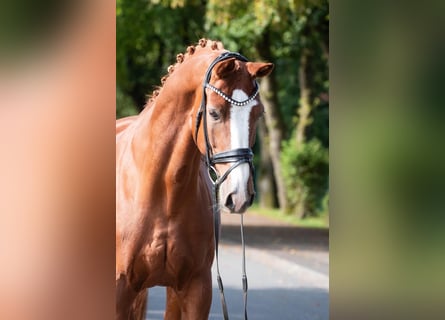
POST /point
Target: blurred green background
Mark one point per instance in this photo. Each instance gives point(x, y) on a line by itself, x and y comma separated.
point(291, 153)
point(387, 239)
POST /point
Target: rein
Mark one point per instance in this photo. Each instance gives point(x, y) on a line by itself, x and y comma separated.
point(236, 157)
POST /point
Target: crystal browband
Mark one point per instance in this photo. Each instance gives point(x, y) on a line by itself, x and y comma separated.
point(232, 101)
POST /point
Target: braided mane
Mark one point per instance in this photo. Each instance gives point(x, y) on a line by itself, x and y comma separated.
point(180, 57)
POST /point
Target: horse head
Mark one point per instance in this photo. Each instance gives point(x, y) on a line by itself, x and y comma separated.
point(230, 109)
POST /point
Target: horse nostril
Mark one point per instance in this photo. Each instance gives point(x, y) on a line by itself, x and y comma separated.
point(229, 203)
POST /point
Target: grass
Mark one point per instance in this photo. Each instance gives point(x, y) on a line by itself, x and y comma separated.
point(310, 222)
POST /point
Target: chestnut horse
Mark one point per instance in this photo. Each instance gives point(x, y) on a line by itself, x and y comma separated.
point(164, 228)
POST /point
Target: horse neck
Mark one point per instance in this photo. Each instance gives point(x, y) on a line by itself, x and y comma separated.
point(163, 145)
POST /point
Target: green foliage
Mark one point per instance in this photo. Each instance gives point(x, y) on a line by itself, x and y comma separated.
point(306, 171)
point(320, 125)
point(149, 35)
point(124, 105)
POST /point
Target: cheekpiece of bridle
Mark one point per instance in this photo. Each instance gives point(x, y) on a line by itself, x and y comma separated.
point(235, 156)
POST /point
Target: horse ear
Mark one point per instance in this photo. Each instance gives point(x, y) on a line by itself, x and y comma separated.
point(259, 69)
point(224, 68)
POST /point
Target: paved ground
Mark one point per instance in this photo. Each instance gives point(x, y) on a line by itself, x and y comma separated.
point(287, 269)
point(305, 246)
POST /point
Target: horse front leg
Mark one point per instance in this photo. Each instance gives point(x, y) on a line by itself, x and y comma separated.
point(196, 298)
point(173, 307)
point(139, 306)
point(130, 304)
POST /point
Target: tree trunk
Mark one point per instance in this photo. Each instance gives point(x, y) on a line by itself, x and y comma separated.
point(304, 119)
point(266, 183)
point(274, 120)
point(275, 128)
point(305, 108)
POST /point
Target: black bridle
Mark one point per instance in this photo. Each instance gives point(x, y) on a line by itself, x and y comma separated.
point(235, 156)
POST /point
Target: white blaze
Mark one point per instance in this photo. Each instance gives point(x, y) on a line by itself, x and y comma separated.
point(239, 138)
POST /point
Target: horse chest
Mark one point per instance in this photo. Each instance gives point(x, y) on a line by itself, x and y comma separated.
point(170, 260)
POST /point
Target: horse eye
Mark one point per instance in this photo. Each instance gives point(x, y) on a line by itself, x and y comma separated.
point(214, 114)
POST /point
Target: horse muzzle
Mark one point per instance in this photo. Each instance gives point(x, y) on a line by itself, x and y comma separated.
point(237, 204)
point(236, 192)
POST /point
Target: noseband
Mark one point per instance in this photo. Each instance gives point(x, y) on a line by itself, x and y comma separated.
point(235, 157)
